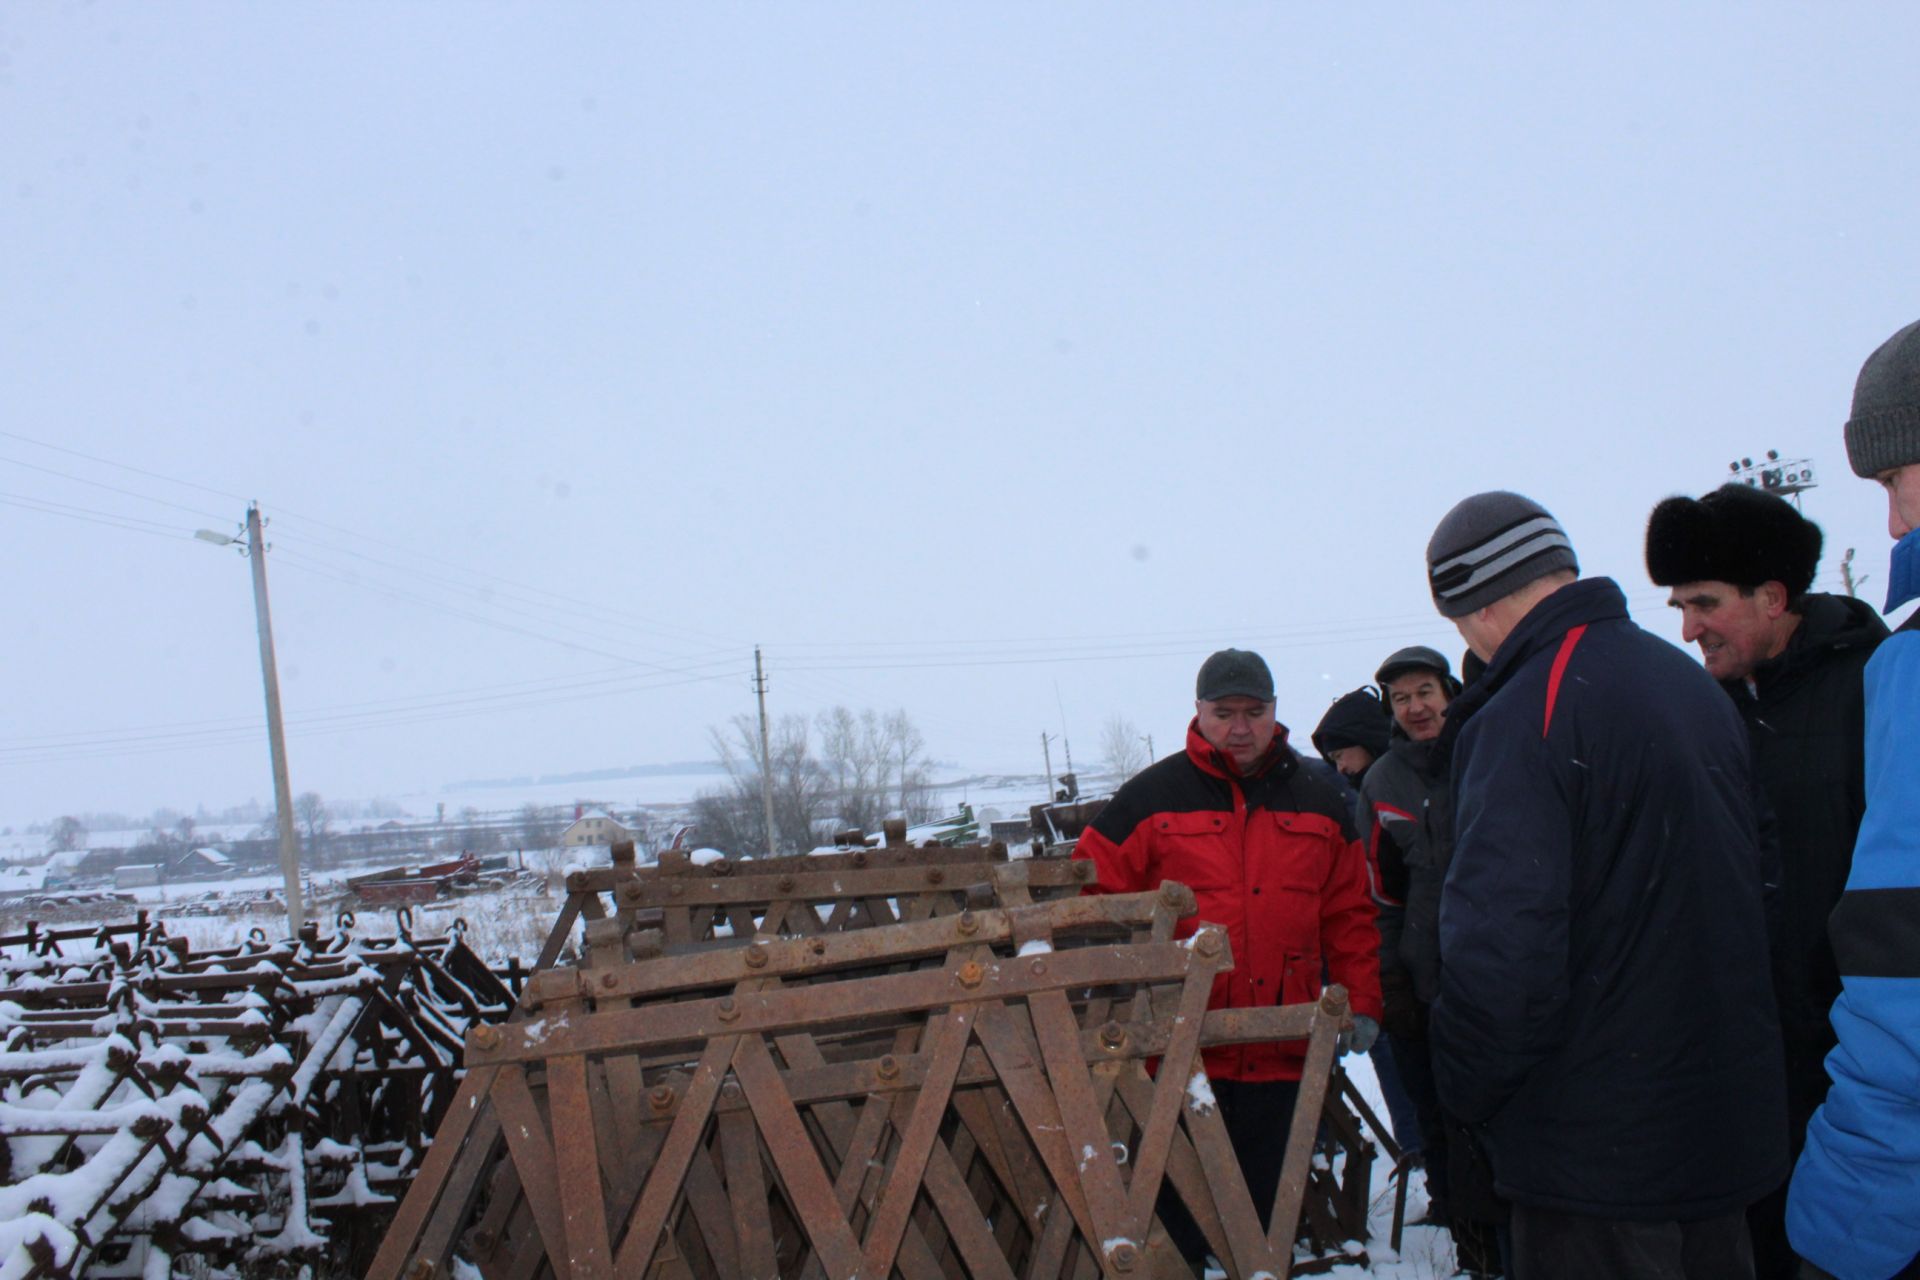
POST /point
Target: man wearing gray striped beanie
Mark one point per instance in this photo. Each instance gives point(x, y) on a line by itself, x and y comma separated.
point(1605, 1018)
point(1491, 545)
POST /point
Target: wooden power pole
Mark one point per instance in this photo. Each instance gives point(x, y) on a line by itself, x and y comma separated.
point(766, 754)
point(276, 731)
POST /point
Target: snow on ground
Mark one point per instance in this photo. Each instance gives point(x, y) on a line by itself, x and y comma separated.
point(1426, 1253)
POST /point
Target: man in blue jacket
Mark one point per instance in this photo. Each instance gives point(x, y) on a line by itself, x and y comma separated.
point(1854, 1207)
point(1605, 1014)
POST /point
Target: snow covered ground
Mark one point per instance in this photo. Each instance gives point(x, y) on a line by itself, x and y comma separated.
point(1426, 1253)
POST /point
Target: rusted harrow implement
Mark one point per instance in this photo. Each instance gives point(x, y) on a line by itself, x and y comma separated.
point(725, 903)
point(739, 1081)
point(233, 1106)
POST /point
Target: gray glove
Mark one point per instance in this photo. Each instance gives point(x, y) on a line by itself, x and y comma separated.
point(1360, 1039)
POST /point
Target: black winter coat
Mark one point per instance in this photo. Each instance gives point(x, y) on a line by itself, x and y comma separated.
point(1807, 721)
point(1407, 819)
point(1605, 1011)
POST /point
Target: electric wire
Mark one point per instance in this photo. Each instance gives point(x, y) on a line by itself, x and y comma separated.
point(110, 519)
point(112, 488)
point(123, 466)
point(483, 597)
point(664, 628)
point(307, 727)
point(602, 676)
point(302, 565)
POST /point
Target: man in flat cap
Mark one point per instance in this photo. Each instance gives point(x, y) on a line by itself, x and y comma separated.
point(1740, 563)
point(1854, 1207)
point(1605, 1015)
point(1269, 850)
point(1407, 822)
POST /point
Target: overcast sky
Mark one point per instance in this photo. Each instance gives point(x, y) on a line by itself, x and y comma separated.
point(996, 362)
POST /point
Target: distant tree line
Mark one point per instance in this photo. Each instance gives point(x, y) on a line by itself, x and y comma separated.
point(167, 818)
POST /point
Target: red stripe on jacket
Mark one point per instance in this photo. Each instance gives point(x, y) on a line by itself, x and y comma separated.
point(1560, 660)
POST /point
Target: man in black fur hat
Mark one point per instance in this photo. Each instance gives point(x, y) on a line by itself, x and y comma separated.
point(1740, 563)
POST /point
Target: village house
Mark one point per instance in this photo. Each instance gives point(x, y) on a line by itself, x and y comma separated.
point(595, 826)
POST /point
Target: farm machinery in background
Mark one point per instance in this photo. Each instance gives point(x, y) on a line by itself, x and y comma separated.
point(1058, 823)
point(407, 886)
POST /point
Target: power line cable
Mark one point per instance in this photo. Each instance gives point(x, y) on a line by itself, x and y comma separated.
point(684, 632)
point(320, 570)
point(307, 729)
point(123, 466)
point(101, 484)
point(663, 629)
point(112, 520)
point(604, 676)
point(488, 597)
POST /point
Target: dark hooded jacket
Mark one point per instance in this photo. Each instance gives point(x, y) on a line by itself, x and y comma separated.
point(1407, 818)
point(1357, 719)
point(1806, 717)
point(1605, 1011)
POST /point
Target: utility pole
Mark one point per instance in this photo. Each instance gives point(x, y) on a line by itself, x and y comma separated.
point(766, 754)
point(1150, 756)
point(1047, 750)
point(1846, 574)
point(276, 731)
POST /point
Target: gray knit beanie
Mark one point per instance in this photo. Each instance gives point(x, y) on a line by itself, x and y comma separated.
point(1884, 431)
point(1488, 547)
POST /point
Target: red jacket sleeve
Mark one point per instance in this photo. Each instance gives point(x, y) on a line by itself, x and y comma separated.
point(1348, 937)
point(1119, 868)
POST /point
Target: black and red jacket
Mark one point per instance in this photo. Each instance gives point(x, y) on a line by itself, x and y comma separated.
point(1271, 858)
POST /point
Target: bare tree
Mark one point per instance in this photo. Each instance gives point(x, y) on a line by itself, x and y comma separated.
point(733, 818)
point(67, 833)
point(875, 765)
point(1123, 749)
point(907, 751)
point(311, 811)
point(539, 828)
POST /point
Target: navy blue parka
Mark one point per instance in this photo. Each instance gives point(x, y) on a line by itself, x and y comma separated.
point(1606, 1014)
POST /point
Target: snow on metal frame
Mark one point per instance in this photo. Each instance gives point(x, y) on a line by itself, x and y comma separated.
point(158, 1106)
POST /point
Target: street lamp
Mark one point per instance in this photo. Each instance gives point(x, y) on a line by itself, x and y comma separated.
point(255, 550)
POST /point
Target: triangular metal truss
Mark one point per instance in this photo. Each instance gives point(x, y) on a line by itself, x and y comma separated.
point(1006, 1091)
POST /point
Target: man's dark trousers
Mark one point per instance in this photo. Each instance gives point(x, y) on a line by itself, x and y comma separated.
point(1570, 1246)
point(1258, 1116)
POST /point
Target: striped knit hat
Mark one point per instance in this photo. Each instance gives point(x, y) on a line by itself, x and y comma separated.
point(1488, 547)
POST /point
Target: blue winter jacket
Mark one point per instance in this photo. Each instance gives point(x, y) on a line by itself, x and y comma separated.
point(1606, 1013)
point(1854, 1208)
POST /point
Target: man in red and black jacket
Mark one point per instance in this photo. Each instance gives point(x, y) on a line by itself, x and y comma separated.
point(1269, 850)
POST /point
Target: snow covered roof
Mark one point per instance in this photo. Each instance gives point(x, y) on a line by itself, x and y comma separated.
point(18, 879)
point(214, 856)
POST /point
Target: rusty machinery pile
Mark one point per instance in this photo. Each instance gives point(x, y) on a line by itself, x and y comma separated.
point(930, 1063)
point(167, 1111)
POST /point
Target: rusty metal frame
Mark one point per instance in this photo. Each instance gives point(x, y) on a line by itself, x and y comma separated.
point(964, 1094)
point(694, 904)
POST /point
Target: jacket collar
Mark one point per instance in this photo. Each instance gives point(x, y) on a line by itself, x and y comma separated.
point(1576, 604)
point(1903, 572)
point(1827, 623)
point(1279, 759)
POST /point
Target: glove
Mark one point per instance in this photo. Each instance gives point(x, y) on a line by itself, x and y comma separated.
point(1362, 1035)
